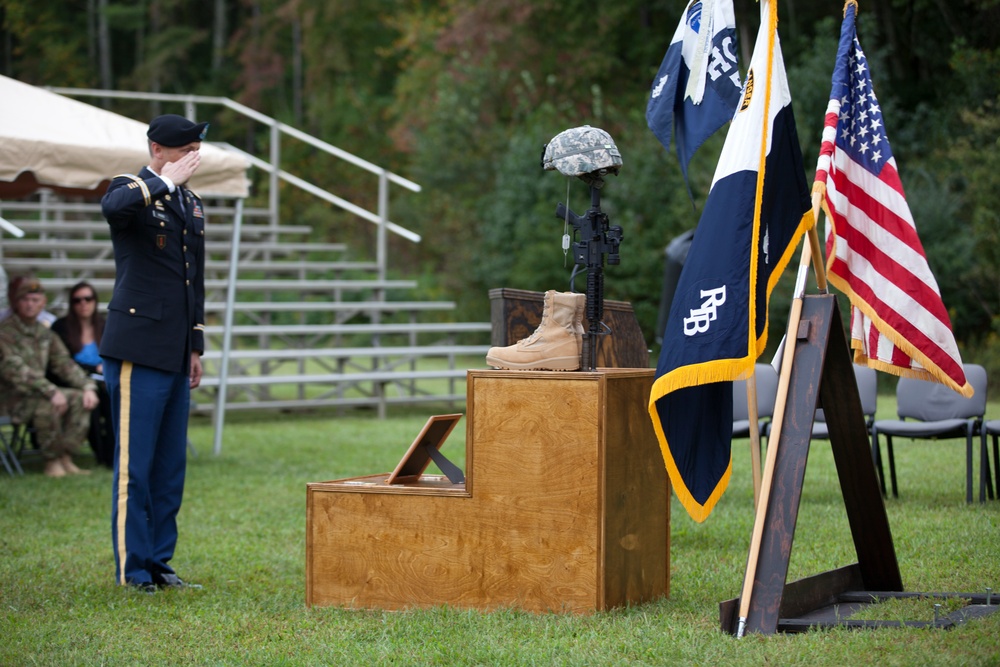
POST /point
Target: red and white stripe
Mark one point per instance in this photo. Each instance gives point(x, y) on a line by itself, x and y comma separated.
point(899, 323)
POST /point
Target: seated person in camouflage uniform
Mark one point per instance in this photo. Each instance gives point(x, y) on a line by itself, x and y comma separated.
point(29, 351)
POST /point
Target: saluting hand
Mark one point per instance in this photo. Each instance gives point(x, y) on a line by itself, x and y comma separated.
point(180, 171)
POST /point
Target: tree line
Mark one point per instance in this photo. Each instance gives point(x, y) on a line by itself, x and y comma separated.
point(461, 95)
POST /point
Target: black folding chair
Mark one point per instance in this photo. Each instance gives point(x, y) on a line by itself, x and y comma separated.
point(11, 445)
point(936, 412)
point(992, 428)
point(6, 453)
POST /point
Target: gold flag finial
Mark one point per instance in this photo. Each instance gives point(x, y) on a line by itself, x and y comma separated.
point(848, 4)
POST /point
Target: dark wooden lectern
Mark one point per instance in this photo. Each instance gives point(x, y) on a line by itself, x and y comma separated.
point(516, 313)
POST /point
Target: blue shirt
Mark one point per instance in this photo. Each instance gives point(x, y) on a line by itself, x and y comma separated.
point(88, 355)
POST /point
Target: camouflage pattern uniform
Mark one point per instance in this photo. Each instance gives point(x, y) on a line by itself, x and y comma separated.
point(27, 353)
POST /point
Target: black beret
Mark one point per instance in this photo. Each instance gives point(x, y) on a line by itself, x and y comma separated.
point(171, 130)
point(23, 286)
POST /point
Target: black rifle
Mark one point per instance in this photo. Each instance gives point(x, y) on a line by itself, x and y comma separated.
point(597, 238)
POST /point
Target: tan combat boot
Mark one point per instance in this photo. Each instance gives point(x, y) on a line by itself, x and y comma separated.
point(555, 344)
point(70, 467)
point(581, 314)
point(53, 468)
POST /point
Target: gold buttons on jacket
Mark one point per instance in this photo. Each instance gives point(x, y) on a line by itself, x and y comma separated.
point(131, 311)
point(162, 224)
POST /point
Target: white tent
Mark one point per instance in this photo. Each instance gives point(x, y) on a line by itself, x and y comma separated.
point(47, 140)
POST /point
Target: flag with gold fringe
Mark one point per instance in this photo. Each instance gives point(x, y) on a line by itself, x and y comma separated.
point(899, 323)
point(756, 212)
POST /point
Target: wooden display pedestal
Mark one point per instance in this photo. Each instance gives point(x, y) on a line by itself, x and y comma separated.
point(565, 507)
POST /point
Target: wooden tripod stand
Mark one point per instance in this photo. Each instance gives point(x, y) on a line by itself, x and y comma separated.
point(821, 376)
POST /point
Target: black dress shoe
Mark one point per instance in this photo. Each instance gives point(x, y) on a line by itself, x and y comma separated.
point(170, 580)
point(147, 587)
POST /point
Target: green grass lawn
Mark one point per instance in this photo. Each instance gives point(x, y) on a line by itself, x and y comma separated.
point(243, 537)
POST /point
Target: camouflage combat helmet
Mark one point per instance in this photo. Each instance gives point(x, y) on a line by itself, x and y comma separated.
point(587, 152)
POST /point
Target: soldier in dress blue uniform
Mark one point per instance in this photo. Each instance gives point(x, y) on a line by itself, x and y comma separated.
point(152, 346)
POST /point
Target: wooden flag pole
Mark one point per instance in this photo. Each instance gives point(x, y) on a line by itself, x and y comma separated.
point(772, 444)
point(817, 253)
point(794, 316)
point(754, 418)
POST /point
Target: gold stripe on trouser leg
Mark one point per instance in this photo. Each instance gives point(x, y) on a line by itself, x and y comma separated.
point(124, 419)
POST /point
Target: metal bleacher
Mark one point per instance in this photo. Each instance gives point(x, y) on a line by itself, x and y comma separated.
point(314, 323)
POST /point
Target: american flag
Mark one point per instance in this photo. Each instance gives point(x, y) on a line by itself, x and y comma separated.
point(898, 321)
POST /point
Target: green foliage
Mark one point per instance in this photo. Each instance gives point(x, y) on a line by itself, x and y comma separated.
point(809, 82)
point(46, 43)
point(964, 171)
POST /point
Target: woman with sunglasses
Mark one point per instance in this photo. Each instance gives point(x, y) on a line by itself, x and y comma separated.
point(81, 331)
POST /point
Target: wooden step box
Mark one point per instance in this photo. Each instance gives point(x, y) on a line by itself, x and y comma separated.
point(565, 507)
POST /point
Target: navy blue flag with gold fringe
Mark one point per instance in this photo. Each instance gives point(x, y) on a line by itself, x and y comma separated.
point(756, 212)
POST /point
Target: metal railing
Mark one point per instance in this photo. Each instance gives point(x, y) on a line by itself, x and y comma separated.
point(272, 166)
point(340, 390)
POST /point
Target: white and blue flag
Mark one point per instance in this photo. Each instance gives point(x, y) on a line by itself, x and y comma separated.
point(698, 85)
point(755, 214)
